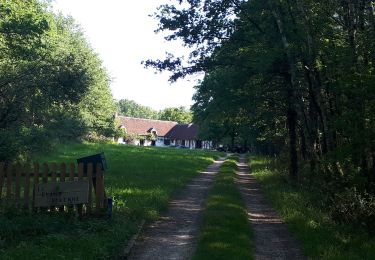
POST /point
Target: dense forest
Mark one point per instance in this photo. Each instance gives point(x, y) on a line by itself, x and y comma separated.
point(292, 79)
point(53, 86)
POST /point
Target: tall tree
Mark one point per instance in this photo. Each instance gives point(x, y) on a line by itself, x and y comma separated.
point(130, 108)
point(304, 67)
point(177, 114)
point(46, 69)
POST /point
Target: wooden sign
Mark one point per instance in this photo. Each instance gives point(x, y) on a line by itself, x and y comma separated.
point(61, 193)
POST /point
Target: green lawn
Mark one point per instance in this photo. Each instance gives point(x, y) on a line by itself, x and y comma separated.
point(141, 181)
point(320, 237)
point(225, 230)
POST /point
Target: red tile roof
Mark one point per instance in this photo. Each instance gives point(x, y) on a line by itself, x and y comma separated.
point(142, 126)
point(169, 129)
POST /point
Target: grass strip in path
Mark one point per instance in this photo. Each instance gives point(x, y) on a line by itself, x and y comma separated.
point(271, 236)
point(225, 231)
point(320, 237)
point(173, 236)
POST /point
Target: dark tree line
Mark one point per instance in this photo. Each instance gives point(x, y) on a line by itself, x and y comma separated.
point(291, 77)
point(53, 86)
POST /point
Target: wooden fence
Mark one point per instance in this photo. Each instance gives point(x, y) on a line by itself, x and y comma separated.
point(18, 183)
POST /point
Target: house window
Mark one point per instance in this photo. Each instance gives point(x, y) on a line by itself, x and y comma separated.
point(167, 142)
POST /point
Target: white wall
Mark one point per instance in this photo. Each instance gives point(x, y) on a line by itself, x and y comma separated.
point(160, 142)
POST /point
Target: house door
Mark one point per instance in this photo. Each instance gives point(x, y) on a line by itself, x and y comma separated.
point(141, 142)
point(199, 144)
point(153, 143)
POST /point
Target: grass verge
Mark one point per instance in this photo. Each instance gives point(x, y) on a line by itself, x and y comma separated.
point(141, 181)
point(320, 237)
point(225, 232)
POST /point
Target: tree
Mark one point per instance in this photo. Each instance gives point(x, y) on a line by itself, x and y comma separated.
point(177, 114)
point(132, 109)
point(305, 67)
point(46, 70)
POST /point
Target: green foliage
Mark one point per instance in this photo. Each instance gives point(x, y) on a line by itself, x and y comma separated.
point(225, 230)
point(304, 209)
point(177, 114)
point(354, 208)
point(52, 83)
point(287, 78)
point(140, 181)
point(132, 109)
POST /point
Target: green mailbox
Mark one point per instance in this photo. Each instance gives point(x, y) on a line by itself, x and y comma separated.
point(94, 159)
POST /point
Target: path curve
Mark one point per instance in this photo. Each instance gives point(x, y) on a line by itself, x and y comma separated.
point(272, 238)
point(174, 235)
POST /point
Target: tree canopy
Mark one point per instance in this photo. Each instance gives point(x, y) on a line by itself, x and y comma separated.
point(290, 78)
point(177, 114)
point(131, 108)
point(52, 84)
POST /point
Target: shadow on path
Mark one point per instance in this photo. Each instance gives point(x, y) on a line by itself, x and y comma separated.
point(272, 239)
point(174, 235)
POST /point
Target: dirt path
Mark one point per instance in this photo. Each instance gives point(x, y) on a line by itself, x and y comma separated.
point(174, 235)
point(272, 239)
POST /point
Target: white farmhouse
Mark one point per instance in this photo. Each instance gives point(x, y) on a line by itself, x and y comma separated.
point(161, 133)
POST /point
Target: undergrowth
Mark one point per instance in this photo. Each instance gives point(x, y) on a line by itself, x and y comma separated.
point(303, 207)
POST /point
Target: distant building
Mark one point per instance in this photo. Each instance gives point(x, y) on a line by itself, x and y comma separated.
point(161, 133)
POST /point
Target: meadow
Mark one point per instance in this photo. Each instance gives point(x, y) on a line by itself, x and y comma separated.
point(141, 181)
point(320, 237)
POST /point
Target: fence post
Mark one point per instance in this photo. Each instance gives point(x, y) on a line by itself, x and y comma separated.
point(62, 179)
point(89, 177)
point(26, 193)
point(98, 188)
point(80, 177)
point(9, 181)
point(62, 172)
point(72, 172)
point(45, 173)
point(54, 172)
point(36, 182)
point(18, 182)
point(2, 177)
point(45, 179)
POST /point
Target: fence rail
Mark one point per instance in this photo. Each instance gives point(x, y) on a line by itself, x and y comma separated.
point(18, 182)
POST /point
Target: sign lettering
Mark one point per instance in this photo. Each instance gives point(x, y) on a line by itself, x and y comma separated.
point(61, 193)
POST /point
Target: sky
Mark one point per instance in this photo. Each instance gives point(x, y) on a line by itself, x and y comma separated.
point(122, 33)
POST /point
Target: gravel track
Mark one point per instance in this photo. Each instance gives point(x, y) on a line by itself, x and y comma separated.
point(272, 238)
point(174, 235)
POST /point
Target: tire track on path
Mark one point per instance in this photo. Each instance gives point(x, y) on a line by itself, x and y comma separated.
point(272, 238)
point(174, 235)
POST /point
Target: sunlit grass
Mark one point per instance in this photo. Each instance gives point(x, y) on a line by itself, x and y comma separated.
point(320, 237)
point(225, 230)
point(141, 181)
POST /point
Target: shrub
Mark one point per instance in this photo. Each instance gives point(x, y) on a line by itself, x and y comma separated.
point(355, 208)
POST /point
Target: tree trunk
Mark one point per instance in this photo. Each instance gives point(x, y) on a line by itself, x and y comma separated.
point(291, 100)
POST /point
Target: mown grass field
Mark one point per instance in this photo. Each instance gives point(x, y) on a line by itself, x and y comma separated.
point(225, 230)
point(141, 181)
point(320, 237)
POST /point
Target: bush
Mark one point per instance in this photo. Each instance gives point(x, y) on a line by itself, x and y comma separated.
point(355, 208)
